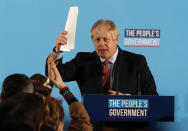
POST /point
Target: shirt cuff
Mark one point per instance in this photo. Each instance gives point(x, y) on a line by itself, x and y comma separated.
point(58, 54)
point(68, 96)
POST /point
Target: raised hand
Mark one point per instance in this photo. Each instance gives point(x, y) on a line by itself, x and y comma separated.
point(53, 73)
point(61, 40)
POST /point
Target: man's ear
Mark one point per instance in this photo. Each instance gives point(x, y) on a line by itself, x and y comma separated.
point(117, 39)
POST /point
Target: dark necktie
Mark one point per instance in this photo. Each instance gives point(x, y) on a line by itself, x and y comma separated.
point(106, 72)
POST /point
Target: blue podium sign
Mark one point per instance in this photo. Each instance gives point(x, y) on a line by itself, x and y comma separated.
point(129, 108)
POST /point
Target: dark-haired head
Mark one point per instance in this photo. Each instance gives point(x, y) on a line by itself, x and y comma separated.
point(37, 80)
point(26, 108)
point(14, 84)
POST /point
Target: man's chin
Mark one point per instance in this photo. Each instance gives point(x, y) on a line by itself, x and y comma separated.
point(102, 56)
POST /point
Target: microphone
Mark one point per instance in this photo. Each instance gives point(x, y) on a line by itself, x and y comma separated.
point(116, 83)
point(115, 79)
point(138, 84)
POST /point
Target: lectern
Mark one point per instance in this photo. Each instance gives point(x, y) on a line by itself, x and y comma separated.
point(129, 108)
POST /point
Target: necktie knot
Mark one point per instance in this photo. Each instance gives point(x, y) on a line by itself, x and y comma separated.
point(106, 62)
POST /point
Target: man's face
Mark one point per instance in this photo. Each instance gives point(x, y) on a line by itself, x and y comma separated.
point(105, 44)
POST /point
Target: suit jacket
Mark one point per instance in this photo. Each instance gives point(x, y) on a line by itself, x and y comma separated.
point(130, 70)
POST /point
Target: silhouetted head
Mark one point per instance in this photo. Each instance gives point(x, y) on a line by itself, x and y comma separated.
point(14, 84)
point(25, 108)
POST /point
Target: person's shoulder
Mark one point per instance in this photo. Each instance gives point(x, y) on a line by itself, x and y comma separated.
point(131, 55)
point(132, 58)
point(86, 55)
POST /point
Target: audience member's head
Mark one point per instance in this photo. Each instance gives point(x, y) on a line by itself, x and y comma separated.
point(25, 108)
point(54, 114)
point(13, 125)
point(37, 80)
point(14, 84)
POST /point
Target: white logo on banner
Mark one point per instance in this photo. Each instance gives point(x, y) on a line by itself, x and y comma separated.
point(142, 37)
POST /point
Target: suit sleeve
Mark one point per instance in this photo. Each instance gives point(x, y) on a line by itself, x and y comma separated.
point(148, 86)
point(80, 120)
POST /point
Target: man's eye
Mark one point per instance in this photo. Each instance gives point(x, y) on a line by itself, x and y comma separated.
point(105, 39)
point(98, 39)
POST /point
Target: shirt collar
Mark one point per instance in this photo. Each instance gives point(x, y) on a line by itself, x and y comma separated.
point(113, 58)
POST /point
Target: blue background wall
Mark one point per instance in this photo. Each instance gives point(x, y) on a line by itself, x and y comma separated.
point(28, 31)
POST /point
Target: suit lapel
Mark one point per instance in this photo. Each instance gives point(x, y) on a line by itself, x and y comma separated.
point(120, 65)
point(99, 73)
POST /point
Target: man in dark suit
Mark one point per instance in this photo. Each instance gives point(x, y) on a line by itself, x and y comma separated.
point(127, 70)
point(127, 73)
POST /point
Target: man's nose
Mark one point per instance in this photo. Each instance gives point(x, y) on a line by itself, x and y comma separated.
point(102, 42)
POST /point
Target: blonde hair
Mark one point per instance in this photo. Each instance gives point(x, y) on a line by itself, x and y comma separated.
point(104, 25)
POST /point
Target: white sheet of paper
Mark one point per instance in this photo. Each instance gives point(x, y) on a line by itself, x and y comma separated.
point(70, 27)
